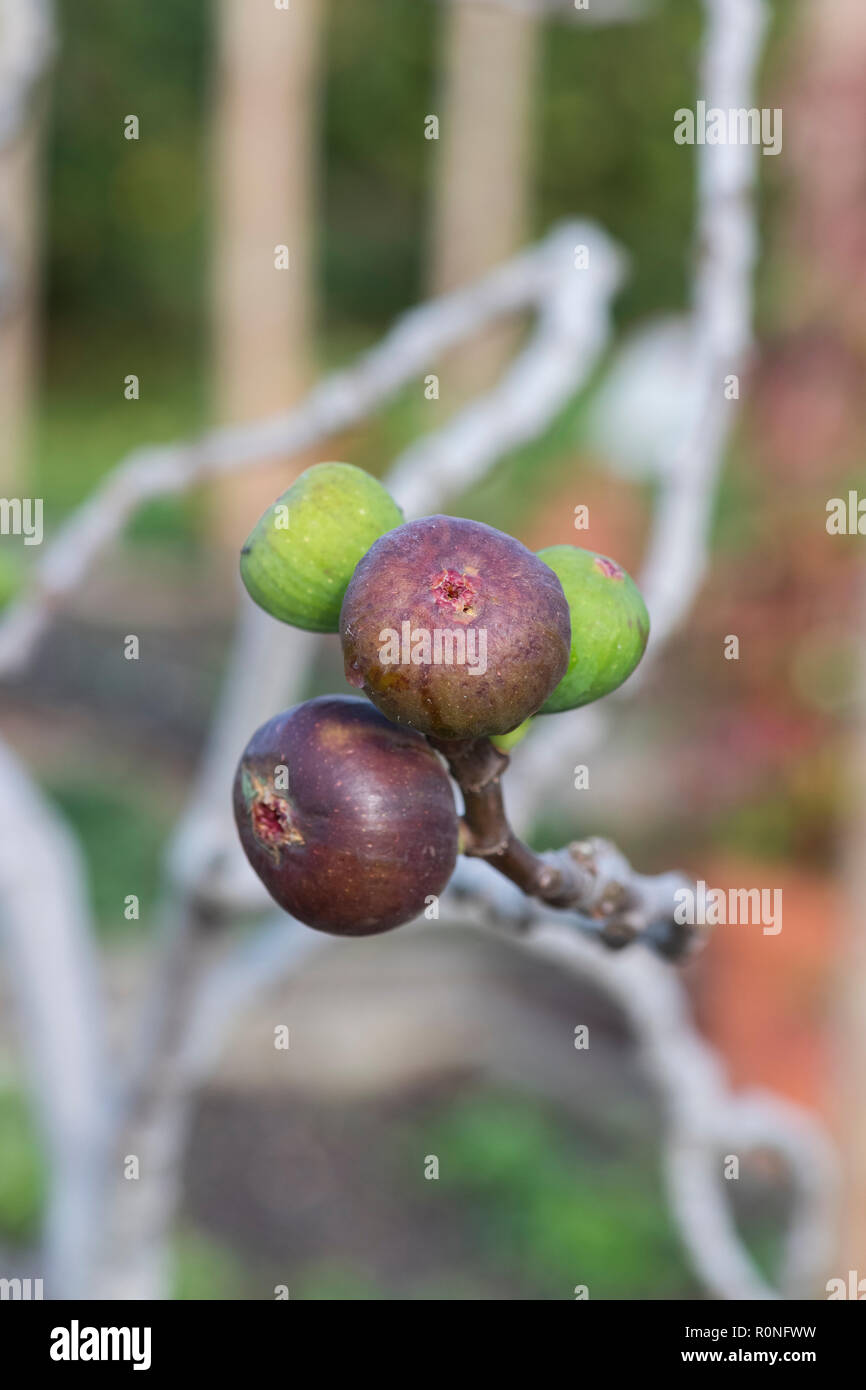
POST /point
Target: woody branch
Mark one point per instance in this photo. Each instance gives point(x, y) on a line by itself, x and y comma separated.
point(589, 877)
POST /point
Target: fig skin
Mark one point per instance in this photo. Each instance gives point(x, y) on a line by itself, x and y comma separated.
point(609, 625)
point(367, 829)
point(299, 573)
point(447, 573)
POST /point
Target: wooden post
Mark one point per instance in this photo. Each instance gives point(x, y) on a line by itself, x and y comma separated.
point(265, 151)
point(482, 188)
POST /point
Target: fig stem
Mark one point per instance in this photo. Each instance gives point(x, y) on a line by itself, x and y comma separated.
point(590, 877)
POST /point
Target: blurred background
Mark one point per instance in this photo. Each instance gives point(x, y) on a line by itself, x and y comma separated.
point(154, 257)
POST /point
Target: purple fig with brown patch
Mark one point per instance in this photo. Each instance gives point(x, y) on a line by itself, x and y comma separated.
point(348, 820)
point(454, 628)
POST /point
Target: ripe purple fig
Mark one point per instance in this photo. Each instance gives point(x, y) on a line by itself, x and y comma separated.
point(349, 821)
point(454, 628)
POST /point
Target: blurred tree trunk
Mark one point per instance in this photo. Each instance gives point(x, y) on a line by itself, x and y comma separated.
point(265, 129)
point(19, 262)
point(482, 187)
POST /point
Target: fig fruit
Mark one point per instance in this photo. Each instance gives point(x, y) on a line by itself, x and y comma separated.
point(454, 628)
point(300, 555)
point(348, 820)
point(609, 625)
point(505, 742)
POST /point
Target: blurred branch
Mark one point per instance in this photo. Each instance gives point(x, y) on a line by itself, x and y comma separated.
point(706, 1122)
point(540, 276)
point(55, 975)
point(727, 242)
point(205, 862)
point(721, 329)
point(591, 877)
point(572, 330)
point(200, 989)
point(151, 1123)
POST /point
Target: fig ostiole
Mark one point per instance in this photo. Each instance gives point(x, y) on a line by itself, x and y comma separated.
point(454, 629)
point(609, 626)
point(348, 820)
point(302, 551)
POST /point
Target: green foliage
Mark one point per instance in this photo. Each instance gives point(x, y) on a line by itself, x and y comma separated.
point(121, 833)
point(22, 1174)
point(510, 494)
point(12, 571)
point(380, 61)
point(127, 237)
point(550, 1215)
point(331, 1281)
point(736, 526)
point(126, 226)
point(86, 425)
point(205, 1269)
point(605, 142)
point(765, 828)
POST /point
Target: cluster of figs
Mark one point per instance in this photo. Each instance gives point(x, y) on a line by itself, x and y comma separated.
point(343, 804)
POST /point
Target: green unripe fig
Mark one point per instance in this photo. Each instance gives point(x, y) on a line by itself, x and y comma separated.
point(609, 625)
point(505, 742)
point(302, 553)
